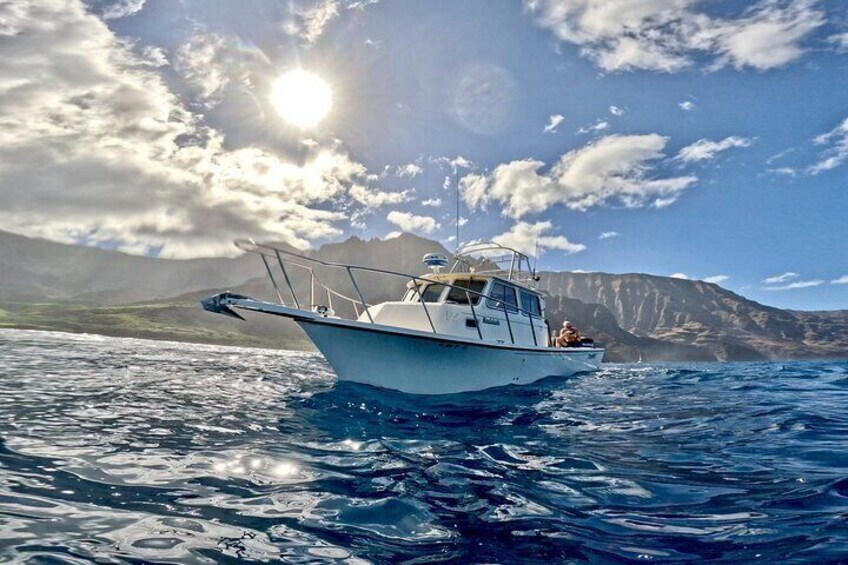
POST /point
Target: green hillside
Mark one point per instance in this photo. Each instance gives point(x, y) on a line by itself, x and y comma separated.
point(176, 321)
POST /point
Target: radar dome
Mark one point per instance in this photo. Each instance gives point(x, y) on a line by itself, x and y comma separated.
point(435, 261)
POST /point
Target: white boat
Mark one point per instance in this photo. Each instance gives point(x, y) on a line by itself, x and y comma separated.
point(478, 326)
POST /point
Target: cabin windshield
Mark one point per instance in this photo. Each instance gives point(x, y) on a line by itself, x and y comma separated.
point(458, 296)
point(432, 292)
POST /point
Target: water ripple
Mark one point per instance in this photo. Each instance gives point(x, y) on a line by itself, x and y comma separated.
point(131, 451)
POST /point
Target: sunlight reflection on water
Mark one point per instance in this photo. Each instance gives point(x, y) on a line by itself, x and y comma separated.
point(126, 450)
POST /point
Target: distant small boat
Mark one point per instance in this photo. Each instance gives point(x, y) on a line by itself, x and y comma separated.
point(480, 325)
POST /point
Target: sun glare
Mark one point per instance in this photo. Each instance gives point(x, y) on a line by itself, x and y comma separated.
point(302, 98)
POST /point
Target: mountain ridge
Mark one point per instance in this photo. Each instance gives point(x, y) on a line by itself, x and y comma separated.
point(47, 285)
point(705, 315)
point(37, 270)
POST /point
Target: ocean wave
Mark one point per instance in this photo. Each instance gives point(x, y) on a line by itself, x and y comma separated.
point(127, 451)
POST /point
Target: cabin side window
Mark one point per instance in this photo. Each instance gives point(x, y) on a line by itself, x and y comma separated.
point(530, 303)
point(458, 296)
point(500, 295)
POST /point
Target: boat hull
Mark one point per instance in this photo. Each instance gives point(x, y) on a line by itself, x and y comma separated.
point(437, 365)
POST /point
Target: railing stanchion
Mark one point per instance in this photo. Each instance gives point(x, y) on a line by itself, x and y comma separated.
point(474, 313)
point(424, 305)
point(286, 276)
point(359, 292)
point(533, 329)
point(508, 325)
point(273, 280)
point(360, 302)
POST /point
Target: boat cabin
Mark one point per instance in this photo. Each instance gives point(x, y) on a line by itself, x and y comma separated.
point(476, 306)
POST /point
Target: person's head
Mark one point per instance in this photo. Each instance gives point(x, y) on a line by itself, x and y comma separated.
point(567, 325)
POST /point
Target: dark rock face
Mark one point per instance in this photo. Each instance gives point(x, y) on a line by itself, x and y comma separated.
point(597, 322)
point(706, 316)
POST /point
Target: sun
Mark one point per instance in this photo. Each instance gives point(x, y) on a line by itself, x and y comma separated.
point(302, 98)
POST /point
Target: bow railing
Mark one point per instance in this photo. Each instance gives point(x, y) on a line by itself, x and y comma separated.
point(284, 258)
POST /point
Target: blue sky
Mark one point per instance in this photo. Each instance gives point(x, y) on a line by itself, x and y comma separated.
point(705, 139)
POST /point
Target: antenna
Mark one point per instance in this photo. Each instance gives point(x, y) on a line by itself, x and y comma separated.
point(456, 182)
point(535, 259)
point(536, 255)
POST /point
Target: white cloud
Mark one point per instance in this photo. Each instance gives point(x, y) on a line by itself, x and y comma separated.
point(778, 156)
point(460, 162)
point(95, 147)
point(553, 122)
point(616, 111)
point(704, 149)
point(598, 126)
point(839, 41)
point(836, 153)
point(841, 280)
point(716, 279)
point(474, 189)
point(211, 63)
point(456, 163)
point(413, 223)
point(795, 285)
point(202, 62)
point(121, 9)
point(767, 37)
point(434, 202)
point(361, 4)
point(608, 235)
point(785, 277)
point(666, 35)
point(524, 237)
point(663, 202)
point(393, 235)
point(681, 276)
point(787, 171)
point(788, 281)
point(154, 56)
point(373, 198)
point(614, 168)
point(409, 170)
point(687, 105)
point(309, 18)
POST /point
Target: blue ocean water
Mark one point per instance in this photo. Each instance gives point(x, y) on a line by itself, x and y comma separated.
point(131, 451)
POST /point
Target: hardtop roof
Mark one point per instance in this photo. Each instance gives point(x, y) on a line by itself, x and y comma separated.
point(447, 277)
